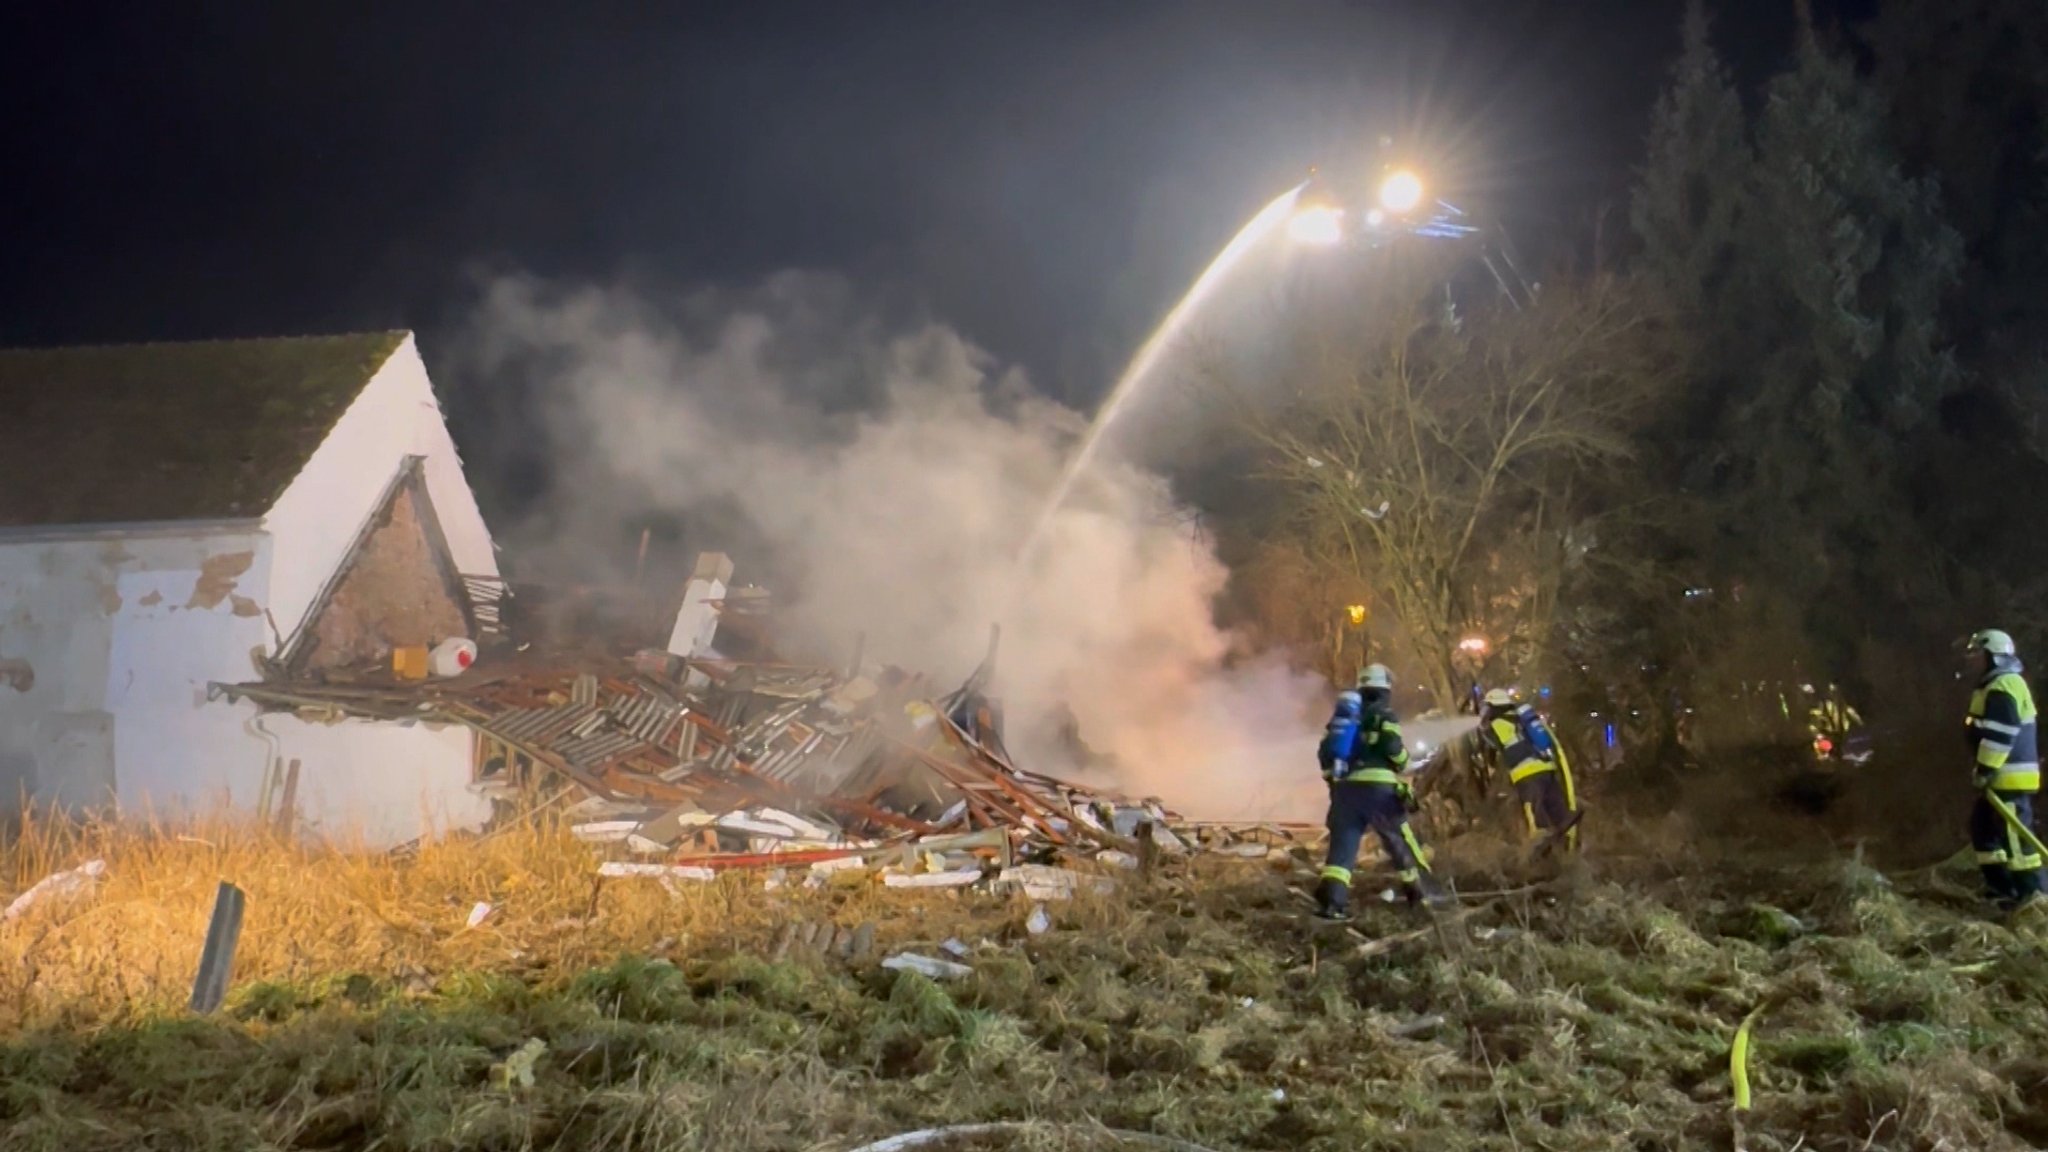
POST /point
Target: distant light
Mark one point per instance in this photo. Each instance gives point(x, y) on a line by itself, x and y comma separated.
point(1318, 225)
point(1473, 644)
point(1356, 612)
point(1401, 192)
point(1375, 217)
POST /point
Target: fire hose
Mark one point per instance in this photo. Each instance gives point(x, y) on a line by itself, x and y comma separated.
point(2012, 818)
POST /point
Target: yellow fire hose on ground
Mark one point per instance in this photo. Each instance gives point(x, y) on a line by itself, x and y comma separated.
point(1571, 797)
point(2013, 820)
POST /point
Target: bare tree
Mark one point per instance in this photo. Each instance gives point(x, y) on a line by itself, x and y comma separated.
point(1441, 451)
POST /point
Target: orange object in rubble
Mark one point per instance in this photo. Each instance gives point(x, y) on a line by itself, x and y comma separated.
point(410, 662)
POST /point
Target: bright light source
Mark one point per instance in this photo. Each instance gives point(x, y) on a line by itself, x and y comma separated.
point(1375, 218)
point(1357, 614)
point(1401, 191)
point(1319, 225)
point(1473, 644)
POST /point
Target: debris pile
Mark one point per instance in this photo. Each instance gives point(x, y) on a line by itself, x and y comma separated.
point(683, 768)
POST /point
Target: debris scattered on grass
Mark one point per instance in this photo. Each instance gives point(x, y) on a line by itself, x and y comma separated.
point(622, 868)
point(61, 885)
point(927, 966)
point(477, 915)
point(1420, 1026)
point(516, 1071)
point(958, 879)
point(1039, 923)
point(1043, 882)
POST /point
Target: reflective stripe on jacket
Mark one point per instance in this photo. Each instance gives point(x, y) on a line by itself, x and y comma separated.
point(1378, 757)
point(2003, 731)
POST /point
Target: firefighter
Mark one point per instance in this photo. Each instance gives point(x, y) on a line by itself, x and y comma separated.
point(1363, 760)
point(2004, 735)
point(1830, 723)
point(1529, 755)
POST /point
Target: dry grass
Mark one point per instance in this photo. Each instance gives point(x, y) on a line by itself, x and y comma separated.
point(1593, 1015)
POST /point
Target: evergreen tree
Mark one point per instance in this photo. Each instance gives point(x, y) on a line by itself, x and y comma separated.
point(1687, 205)
point(1967, 83)
point(1844, 262)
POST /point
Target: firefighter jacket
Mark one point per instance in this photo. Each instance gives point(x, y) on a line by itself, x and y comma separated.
point(2003, 733)
point(1363, 749)
point(1522, 740)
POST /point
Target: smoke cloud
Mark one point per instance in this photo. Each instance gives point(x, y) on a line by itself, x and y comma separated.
point(881, 477)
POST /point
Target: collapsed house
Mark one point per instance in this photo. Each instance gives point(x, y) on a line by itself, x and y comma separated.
point(698, 761)
point(181, 514)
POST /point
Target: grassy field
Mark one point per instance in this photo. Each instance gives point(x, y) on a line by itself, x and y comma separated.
point(1594, 1013)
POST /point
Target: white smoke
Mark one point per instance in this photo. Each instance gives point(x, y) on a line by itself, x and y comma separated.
point(881, 479)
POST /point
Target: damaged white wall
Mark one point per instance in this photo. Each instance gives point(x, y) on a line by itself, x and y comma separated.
point(109, 636)
point(379, 782)
point(113, 636)
point(108, 641)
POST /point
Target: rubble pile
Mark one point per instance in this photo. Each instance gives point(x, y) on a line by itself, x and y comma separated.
point(683, 768)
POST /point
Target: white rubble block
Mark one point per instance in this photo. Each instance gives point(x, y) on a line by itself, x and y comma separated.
point(1043, 882)
point(744, 822)
point(477, 915)
point(605, 831)
point(1039, 923)
point(837, 864)
point(958, 879)
point(58, 885)
point(1241, 851)
point(597, 807)
point(926, 966)
point(641, 846)
point(804, 829)
point(770, 845)
point(1116, 859)
point(621, 868)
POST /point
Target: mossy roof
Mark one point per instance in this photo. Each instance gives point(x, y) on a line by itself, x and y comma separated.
point(138, 433)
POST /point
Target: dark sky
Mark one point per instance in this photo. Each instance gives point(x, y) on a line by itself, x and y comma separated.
point(1044, 174)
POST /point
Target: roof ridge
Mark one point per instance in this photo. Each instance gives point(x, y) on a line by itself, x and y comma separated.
point(132, 345)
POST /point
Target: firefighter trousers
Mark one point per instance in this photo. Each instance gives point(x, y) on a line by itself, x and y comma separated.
point(1356, 809)
point(1544, 806)
point(2012, 870)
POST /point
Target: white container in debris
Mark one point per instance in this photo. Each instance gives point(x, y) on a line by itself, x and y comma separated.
point(452, 657)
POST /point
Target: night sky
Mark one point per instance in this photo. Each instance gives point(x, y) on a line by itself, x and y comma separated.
point(1044, 175)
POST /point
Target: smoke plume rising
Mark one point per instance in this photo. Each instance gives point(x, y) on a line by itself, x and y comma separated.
point(881, 478)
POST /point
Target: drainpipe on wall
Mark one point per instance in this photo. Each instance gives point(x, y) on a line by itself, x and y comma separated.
point(267, 794)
